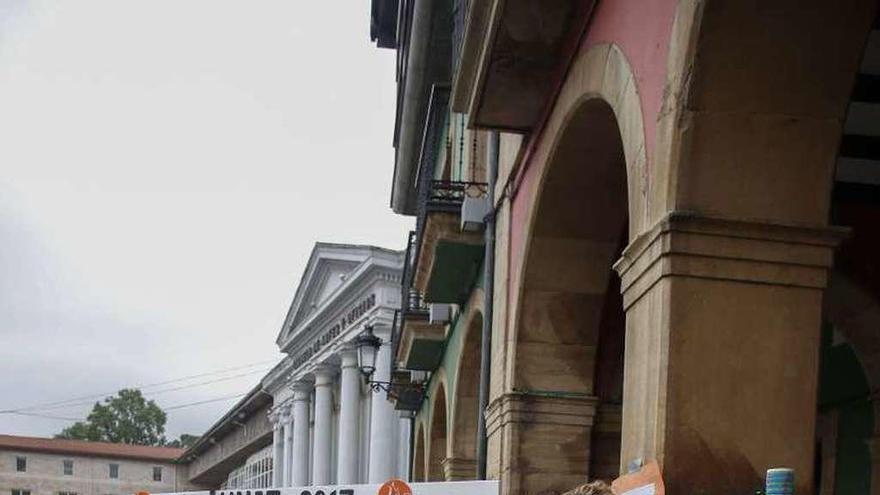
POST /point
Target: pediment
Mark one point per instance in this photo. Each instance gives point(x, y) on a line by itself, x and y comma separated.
point(330, 266)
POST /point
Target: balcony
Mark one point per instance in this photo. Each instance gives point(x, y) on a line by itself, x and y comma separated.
point(512, 55)
point(418, 342)
point(447, 258)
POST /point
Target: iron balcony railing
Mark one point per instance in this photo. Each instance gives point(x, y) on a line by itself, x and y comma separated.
point(411, 303)
point(441, 196)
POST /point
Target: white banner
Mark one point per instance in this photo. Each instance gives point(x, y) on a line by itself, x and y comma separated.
point(395, 487)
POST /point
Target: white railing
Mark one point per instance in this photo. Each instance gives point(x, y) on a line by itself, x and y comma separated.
point(255, 473)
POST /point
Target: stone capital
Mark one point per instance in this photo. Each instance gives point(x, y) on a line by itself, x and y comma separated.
point(348, 355)
point(537, 407)
point(684, 244)
point(383, 332)
point(280, 414)
point(274, 416)
point(302, 390)
point(324, 374)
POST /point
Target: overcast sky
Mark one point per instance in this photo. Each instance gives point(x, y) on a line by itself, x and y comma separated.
point(165, 168)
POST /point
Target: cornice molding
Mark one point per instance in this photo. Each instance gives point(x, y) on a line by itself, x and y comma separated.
point(686, 244)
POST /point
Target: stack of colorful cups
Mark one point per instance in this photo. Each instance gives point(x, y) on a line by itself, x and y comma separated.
point(780, 481)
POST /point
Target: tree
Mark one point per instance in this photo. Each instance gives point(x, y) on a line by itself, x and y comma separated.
point(184, 442)
point(126, 418)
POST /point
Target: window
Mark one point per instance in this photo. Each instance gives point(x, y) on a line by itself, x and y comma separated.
point(157, 473)
point(21, 464)
point(19, 491)
point(68, 468)
point(114, 471)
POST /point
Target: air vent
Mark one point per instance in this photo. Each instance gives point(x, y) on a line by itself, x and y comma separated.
point(440, 313)
point(473, 213)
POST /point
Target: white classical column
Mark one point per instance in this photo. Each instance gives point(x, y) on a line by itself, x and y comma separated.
point(302, 392)
point(383, 418)
point(278, 467)
point(404, 425)
point(321, 470)
point(287, 452)
point(350, 398)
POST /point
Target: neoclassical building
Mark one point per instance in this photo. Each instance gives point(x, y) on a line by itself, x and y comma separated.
point(329, 426)
point(645, 230)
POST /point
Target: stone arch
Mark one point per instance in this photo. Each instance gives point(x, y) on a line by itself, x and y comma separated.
point(854, 313)
point(747, 128)
point(437, 442)
point(586, 193)
point(603, 75)
point(461, 464)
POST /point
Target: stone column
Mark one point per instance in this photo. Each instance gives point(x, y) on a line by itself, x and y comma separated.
point(403, 448)
point(287, 452)
point(383, 418)
point(722, 347)
point(278, 467)
point(302, 392)
point(459, 469)
point(539, 440)
point(350, 398)
point(321, 470)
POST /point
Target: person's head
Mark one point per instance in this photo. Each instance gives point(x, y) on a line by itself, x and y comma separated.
point(592, 488)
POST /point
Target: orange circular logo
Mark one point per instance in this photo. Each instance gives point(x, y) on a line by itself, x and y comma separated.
point(395, 487)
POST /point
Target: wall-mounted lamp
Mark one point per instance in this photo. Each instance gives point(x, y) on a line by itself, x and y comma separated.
point(368, 347)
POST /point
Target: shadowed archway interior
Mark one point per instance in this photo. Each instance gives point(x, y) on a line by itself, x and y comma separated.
point(418, 464)
point(571, 332)
point(466, 404)
point(437, 448)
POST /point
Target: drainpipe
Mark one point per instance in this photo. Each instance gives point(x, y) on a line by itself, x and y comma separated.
point(412, 447)
point(488, 291)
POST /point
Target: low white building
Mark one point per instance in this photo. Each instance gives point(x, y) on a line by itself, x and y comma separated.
point(52, 466)
point(328, 425)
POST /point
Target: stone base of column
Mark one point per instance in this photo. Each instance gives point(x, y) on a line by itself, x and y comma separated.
point(605, 444)
point(539, 441)
point(459, 469)
point(874, 446)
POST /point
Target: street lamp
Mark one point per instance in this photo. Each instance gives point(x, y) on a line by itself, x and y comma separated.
point(367, 348)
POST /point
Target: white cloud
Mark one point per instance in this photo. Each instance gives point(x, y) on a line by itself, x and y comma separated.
point(166, 168)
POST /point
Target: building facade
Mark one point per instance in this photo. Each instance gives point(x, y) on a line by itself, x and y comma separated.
point(236, 451)
point(46, 466)
point(329, 427)
point(681, 257)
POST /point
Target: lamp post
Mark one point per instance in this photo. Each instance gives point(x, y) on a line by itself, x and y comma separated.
point(368, 345)
point(376, 365)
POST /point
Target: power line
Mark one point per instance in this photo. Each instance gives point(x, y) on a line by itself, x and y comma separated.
point(161, 391)
point(181, 406)
point(44, 405)
point(171, 408)
point(46, 416)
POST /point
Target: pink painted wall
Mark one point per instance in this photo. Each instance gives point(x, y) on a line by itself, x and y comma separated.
point(641, 29)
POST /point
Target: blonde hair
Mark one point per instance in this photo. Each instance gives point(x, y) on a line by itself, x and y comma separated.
point(592, 488)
